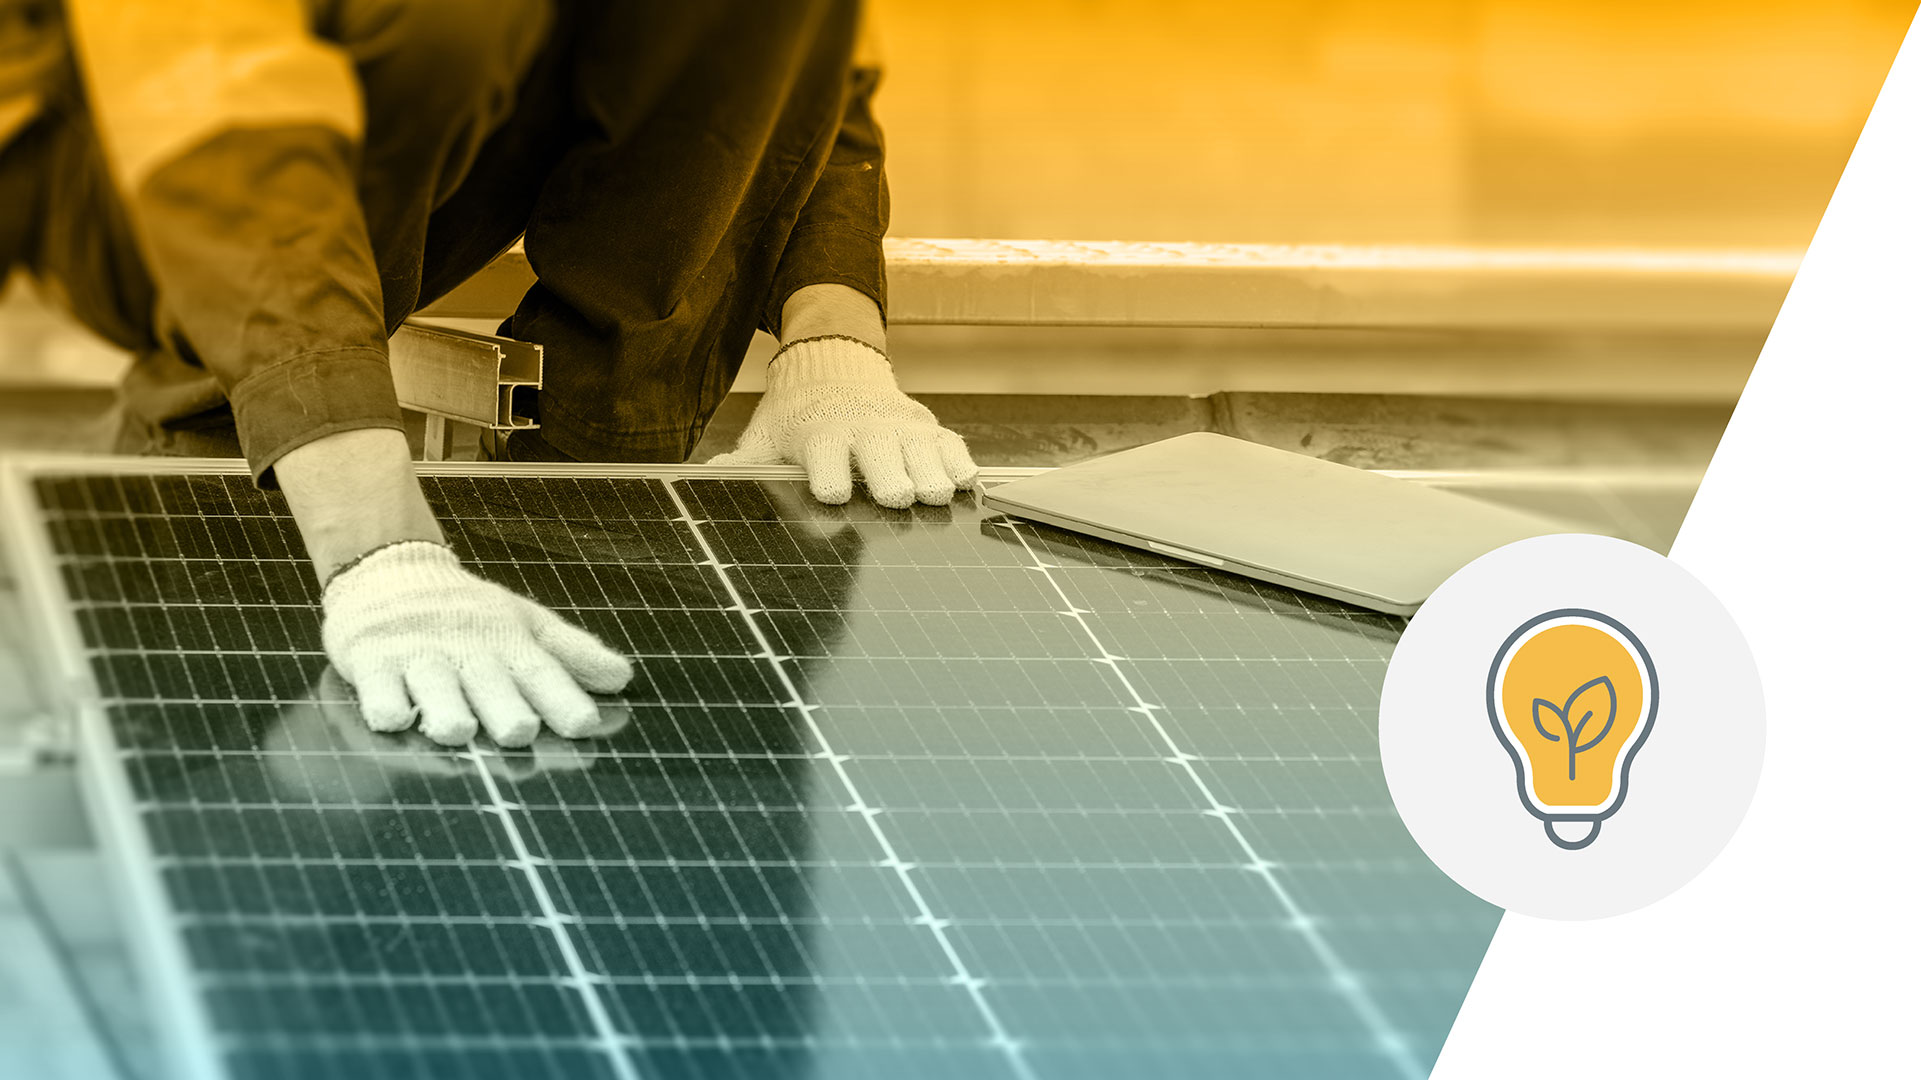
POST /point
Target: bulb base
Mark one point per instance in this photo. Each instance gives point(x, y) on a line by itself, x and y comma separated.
point(1573, 834)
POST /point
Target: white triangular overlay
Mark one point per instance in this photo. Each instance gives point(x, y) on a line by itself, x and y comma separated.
point(1794, 953)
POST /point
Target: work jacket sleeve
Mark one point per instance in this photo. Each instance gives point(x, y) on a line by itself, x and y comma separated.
point(837, 238)
point(232, 134)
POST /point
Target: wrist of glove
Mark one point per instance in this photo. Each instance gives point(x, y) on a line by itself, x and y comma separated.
point(831, 404)
point(420, 638)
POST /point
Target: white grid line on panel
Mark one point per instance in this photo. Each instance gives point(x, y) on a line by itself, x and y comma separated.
point(1346, 981)
point(1003, 1040)
point(607, 1037)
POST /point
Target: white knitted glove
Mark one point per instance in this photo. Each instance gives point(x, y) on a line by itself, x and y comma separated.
point(417, 635)
point(830, 400)
point(363, 769)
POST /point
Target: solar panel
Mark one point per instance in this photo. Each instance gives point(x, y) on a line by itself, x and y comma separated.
point(921, 793)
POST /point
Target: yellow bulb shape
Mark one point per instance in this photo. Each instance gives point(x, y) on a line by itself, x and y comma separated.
point(1572, 696)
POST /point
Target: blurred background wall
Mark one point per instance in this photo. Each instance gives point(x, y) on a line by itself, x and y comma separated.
point(1687, 122)
point(1698, 123)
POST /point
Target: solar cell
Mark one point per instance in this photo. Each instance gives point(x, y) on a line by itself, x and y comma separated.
point(895, 793)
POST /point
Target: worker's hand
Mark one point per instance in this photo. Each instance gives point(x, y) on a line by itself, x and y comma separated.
point(420, 638)
point(831, 401)
point(365, 767)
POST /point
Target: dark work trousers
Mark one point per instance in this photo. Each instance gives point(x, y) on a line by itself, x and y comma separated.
point(677, 169)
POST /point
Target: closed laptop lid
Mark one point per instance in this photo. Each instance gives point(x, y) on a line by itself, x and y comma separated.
point(1281, 516)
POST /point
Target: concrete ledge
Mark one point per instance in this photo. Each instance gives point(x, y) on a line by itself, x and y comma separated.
point(1084, 283)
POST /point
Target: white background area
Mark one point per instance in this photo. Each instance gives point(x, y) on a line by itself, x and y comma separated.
point(1796, 952)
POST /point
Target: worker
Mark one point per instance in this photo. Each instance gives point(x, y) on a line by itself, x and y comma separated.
point(251, 195)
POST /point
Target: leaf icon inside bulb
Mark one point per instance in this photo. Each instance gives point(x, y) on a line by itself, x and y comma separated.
point(1573, 732)
point(1572, 696)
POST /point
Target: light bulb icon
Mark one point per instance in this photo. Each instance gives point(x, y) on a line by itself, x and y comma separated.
point(1572, 695)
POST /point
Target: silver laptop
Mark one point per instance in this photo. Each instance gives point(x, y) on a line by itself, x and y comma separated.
point(1277, 516)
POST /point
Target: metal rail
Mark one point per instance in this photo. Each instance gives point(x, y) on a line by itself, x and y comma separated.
point(453, 376)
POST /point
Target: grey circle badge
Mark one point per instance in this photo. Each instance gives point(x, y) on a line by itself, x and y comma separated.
point(1572, 727)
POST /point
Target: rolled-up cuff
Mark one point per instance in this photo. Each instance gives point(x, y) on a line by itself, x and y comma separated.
point(297, 401)
point(828, 255)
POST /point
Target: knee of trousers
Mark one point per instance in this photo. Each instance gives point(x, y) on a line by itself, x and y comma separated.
point(424, 62)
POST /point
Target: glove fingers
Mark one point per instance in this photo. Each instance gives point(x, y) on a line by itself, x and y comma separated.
point(591, 662)
point(884, 471)
point(932, 485)
point(756, 447)
point(504, 713)
point(557, 697)
point(445, 716)
point(384, 705)
point(960, 464)
point(762, 454)
point(829, 476)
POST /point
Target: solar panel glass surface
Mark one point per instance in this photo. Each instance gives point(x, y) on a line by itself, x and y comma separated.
point(895, 793)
